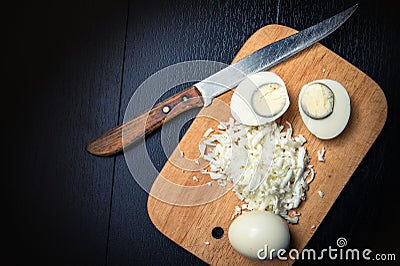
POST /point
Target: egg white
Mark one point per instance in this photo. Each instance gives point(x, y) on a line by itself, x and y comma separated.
point(256, 230)
point(332, 125)
point(241, 102)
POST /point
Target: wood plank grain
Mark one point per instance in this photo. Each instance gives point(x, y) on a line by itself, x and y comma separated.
point(64, 67)
point(191, 226)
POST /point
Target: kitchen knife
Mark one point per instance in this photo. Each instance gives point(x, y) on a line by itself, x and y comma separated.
point(202, 93)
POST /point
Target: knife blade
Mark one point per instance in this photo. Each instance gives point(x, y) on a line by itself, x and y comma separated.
point(202, 93)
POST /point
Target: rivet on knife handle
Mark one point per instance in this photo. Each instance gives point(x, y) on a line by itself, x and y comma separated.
point(110, 143)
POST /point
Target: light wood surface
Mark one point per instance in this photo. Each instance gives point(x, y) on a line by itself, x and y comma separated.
point(191, 226)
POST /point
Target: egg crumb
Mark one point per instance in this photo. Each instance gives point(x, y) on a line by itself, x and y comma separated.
point(221, 126)
point(221, 183)
point(296, 213)
point(321, 155)
point(238, 211)
point(208, 132)
point(310, 168)
point(202, 148)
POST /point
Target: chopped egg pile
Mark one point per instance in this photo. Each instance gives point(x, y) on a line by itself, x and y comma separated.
point(267, 166)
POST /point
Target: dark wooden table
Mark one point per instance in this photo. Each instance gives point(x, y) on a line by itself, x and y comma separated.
point(70, 69)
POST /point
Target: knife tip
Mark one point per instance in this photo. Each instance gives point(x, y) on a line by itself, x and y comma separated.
point(353, 8)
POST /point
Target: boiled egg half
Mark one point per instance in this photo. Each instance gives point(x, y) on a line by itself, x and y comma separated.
point(259, 234)
point(325, 108)
point(260, 98)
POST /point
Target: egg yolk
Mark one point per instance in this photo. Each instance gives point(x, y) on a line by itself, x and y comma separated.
point(269, 99)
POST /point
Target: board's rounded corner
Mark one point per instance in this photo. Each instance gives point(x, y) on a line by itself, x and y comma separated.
point(150, 213)
point(275, 25)
point(384, 103)
point(267, 34)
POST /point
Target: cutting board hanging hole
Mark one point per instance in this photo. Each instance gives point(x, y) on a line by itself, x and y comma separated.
point(217, 232)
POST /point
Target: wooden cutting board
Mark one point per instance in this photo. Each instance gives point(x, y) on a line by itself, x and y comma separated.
point(191, 226)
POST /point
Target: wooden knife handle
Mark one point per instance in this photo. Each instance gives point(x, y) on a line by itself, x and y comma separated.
point(110, 143)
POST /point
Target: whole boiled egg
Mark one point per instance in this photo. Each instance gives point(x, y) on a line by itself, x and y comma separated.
point(259, 234)
point(325, 108)
point(260, 98)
